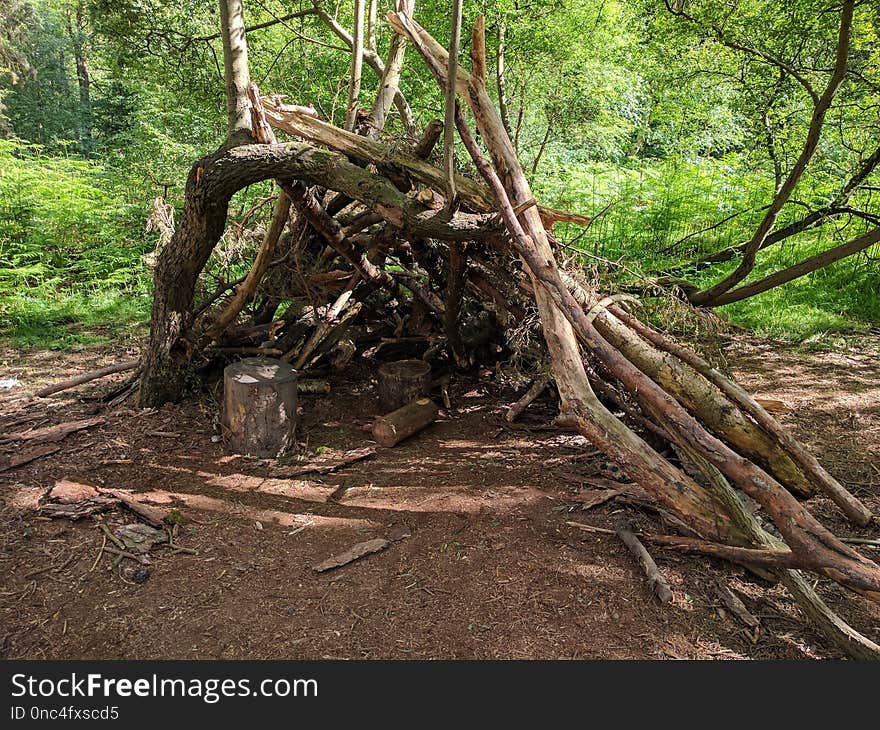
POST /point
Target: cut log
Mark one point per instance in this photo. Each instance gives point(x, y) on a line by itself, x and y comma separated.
point(390, 430)
point(259, 407)
point(401, 382)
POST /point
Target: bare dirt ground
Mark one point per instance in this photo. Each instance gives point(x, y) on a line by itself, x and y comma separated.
point(489, 569)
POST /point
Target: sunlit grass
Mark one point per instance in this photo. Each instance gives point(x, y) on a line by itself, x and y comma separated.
point(657, 212)
point(39, 320)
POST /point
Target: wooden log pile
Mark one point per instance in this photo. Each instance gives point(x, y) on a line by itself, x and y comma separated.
point(367, 252)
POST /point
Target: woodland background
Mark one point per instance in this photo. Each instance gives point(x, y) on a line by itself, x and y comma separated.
point(674, 131)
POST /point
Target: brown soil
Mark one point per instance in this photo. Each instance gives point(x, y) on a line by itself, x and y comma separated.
point(490, 569)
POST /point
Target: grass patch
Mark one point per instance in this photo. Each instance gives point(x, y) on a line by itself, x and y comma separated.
point(774, 317)
point(843, 298)
point(35, 320)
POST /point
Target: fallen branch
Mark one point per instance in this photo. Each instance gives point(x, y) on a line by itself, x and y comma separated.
point(733, 604)
point(593, 497)
point(21, 459)
point(151, 515)
point(119, 367)
point(657, 583)
point(54, 433)
point(355, 552)
point(590, 528)
point(323, 464)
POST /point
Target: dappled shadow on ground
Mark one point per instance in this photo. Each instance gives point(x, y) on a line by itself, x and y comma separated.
point(490, 568)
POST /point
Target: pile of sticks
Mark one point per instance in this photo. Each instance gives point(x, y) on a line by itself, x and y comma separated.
point(372, 242)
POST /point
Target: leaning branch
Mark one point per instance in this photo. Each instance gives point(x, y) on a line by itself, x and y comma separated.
point(822, 104)
point(814, 263)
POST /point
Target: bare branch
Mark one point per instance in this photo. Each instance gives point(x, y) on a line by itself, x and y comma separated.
point(708, 296)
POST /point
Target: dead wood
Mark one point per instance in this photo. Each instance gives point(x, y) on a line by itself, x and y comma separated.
point(313, 386)
point(401, 382)
point(590, 498)
point(355, 552)
point(28, 456)
point(656, 582)
point(381, 250)
point(391, 429)
point(477, 196)
point(154, 516)
point(734, 604)
point(53, 433)
point(813, 546)
point(323, 464)
point(259, 407)
point(530, 395)
point(119, 367)
point(803, 459)
point(80, 509)
point(590, 528)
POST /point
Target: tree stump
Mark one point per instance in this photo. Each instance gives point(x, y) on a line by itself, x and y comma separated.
point(401, 382)
point(390, 430)
point(259, 407)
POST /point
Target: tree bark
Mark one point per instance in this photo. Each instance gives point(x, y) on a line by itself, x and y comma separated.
point(501, 78)
point(814, 263)
point(211, 184)
point(812, 545)
point(357, 61)
point(259, 407)
point(389, 80)
point(398, 425)
point(236, 71)
point(401, 382)
point(449, 101)
point(580, 405)
point(471, 192)
point(76, 27)
point(374, 62)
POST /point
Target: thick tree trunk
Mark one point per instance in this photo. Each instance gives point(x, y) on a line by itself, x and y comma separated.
point(166, 361)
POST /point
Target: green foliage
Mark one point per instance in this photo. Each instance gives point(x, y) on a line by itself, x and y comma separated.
point(70, 247)
point(672, 116)
point(40, 318)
